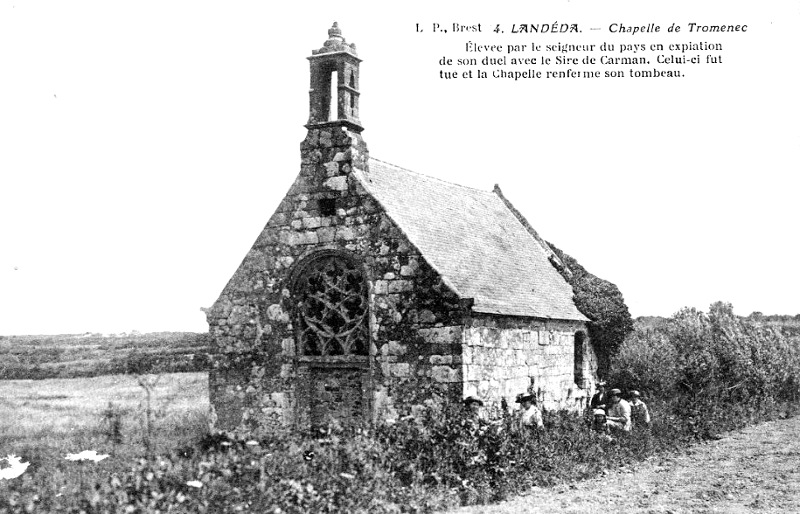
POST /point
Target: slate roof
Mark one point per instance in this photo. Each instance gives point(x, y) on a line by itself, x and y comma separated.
point(474, 240)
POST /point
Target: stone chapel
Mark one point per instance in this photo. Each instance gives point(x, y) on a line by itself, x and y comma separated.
point(369, 275)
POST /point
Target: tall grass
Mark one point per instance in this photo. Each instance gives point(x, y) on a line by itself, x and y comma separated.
point(43, 421)
point(59, 416)
point(700, 374)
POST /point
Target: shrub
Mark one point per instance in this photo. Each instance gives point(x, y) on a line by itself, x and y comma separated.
point(714, 371)
point(601, 302)
point(111, 422)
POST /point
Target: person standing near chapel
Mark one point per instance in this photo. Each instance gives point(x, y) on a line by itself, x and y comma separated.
point(472, 410)
point(640, 415)
point(599, 399)
point(472, 406)
point(619, 412)
point(529, 417)
point(599, 421)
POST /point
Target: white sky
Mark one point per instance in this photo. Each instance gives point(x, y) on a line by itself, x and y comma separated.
point(143, 146)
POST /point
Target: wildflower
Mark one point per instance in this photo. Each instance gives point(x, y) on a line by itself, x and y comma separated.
point(195, 483)
point(15, 467)
point(85, 455)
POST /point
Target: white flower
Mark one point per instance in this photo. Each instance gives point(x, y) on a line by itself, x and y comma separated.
point(85, 455)
point(194, 483)
point(15, 467)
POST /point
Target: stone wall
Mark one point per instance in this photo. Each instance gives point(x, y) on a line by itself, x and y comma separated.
point(258, 377)
point(505, 356)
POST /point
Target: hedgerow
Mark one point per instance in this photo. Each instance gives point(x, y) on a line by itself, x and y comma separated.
point(717, 369)
point(92, 355)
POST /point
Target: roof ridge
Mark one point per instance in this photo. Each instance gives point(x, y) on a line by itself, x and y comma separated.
point(551, 255)
point(488, 192)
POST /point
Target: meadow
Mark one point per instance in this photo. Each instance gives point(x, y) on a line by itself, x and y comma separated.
point(43, 421)
point(70, 415)
point(90, 355)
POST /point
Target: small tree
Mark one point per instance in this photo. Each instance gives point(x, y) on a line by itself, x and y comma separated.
point(149, 383)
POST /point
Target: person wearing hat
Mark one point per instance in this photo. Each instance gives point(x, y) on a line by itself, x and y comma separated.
point(473, 405)
point(599, 425)
point(599, 420)
point(529, 415)
point(473, 417)
point(640, 415)
point(618, 413)
point(598, 401)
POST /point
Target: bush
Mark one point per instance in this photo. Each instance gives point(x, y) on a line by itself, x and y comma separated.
point(716, 371)
point(601, 302)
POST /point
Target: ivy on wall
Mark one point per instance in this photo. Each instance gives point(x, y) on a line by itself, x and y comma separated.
point(601, 302)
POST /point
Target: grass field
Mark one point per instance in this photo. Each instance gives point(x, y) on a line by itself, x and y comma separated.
point(90, 355)
point(42, 420)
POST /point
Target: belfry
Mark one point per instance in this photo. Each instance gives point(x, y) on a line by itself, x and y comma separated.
point(334, 65)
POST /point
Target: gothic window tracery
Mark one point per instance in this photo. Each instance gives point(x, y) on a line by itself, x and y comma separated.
point(332, 308)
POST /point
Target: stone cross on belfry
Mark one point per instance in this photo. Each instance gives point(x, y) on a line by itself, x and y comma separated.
point(335, 32)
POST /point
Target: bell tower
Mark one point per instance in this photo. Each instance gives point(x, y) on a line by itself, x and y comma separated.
point(334, 84)
point(333, 147)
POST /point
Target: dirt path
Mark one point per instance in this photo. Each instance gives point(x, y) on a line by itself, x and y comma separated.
point(752, 471)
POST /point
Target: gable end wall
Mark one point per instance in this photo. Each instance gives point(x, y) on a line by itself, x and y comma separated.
point(415, 319)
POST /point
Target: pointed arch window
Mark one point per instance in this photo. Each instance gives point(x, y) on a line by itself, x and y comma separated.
point(332, 307)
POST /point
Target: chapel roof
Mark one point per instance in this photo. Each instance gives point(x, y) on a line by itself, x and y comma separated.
point(480, 245)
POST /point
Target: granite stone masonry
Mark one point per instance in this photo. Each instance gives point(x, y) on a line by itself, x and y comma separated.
point(369, 278)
